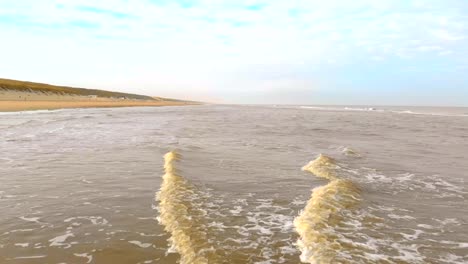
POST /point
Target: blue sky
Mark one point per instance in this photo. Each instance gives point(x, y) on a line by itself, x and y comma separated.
point(409, 52)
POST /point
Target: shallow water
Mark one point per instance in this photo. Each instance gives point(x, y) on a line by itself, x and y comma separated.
point(79, 186)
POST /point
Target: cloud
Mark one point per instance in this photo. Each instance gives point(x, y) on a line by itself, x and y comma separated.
point(445, 52)
point(83, 24)
point(256, 7)
point(429, 48)
point(118, 15)
point(206, 43)
point(444, 35)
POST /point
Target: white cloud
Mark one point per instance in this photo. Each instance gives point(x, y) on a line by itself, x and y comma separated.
point(445, 35)
point(429, 48)
point(176, 48)
point(445, 52)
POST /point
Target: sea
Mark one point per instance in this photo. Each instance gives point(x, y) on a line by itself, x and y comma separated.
point(235, 184)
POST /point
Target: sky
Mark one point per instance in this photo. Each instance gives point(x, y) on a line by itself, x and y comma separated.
point(360, 52)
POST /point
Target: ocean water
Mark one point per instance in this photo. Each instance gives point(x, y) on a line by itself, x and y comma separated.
point(234, 184)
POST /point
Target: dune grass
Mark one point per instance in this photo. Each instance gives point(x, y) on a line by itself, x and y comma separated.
point(14, 85)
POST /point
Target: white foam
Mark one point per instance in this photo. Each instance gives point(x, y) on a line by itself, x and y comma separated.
point(38, 245)
point(299, 201)
point(452, 259)
point(85, 255)
point(19, 230)
point(401, 217)
point(236, 210)
point(413, 236)
point(429, 113)
point(426, 226)
point(30, 219)
point(463, 245)
point(59, 240)
point(28, 112)
point(378, 177)
point(140, 244)
point(146, 235)
point(31, 257)
point(346, 108)
point(409, 253)
point(22, 244)
point(361, 109)
point(86, 181)
point(314, 107)
point(288, 250)
point(241, 201)
point(262, 230)
point(404, 177)
point(217, 225)
point(95, 220)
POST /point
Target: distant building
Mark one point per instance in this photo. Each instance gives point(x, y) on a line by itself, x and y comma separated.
point(92, 96)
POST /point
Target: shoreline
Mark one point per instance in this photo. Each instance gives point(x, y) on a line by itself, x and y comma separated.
point(17, 106)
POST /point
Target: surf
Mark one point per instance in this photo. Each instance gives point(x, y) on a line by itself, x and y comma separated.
point(319, 241)
point(182, 218)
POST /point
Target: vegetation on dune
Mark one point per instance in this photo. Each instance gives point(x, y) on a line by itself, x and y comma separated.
point(15, 85)
point(170, 99)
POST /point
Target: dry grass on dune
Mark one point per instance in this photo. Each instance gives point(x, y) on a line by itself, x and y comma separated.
point(21, 86)
point(20, 96)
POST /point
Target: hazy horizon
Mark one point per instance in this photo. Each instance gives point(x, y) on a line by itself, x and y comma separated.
point(364, 52)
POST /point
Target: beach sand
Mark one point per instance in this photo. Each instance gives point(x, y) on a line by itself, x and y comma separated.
point(23, 101)
point(7, 106)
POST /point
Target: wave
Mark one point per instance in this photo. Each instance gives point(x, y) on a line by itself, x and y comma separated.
point(361, 109)
point(347, 151)
point(182, 218)
point(338, 108)
point(431, 113)
point(442, 113)
point(333, 227)
point(316, 225)
point(27, 112)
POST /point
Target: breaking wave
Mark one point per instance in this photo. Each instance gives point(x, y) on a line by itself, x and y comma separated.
point(316, 225)
point(206, 226)
point(182, 218)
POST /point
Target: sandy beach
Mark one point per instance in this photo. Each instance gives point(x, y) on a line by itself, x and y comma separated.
point(8, 106)
point(11, 100)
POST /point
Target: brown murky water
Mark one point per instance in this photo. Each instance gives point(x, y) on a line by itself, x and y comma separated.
point(87, 186)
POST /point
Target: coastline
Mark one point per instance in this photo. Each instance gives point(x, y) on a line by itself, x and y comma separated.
point(29, 96)
point(14, 106)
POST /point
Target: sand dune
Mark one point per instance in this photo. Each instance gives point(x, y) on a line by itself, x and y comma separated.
point(20, 96)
